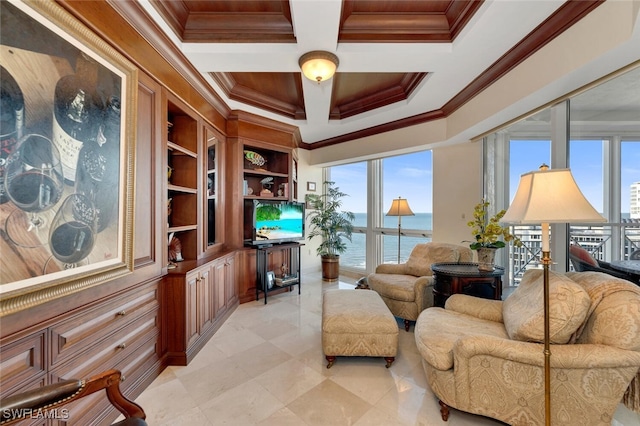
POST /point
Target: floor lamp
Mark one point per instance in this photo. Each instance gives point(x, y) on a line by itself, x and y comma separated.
point(544, 197)
point(400, 207)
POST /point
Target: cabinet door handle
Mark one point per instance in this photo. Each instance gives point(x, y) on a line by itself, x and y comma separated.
point(122, 345)
point(122, 313)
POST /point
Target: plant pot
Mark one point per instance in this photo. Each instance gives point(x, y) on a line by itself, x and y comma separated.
point(330, 268)
point(486, 259)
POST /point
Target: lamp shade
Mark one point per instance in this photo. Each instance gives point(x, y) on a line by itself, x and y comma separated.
point(400, 207)
point(318, 65)
point(550, 196)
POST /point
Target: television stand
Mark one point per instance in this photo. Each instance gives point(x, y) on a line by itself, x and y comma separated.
point(277, 267)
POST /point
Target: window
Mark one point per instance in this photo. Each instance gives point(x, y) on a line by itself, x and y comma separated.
point(603, 152)
point(372, 186)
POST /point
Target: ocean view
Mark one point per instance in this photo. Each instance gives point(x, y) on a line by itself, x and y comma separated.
point(355, 254)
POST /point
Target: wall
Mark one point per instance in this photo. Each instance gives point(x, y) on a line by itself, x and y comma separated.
point(457, 177)
point(308, 173)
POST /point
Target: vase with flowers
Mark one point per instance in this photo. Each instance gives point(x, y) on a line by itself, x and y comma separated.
point(489, 235)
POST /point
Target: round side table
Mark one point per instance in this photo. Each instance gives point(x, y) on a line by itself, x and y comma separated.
point(453, 278)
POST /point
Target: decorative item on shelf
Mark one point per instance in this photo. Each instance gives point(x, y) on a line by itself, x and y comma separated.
point(271, 279)
point(284, 270)
point(210, 187)
point(544, 197)
point(400, 207)
point(267, 183)
point(169, 210)
point(487, 231)
point(175, 249)
point(284, 281)
point(255, 159)
point(169, 126)
point(169, 173)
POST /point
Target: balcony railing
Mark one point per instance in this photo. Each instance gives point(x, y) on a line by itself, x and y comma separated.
point(611, 241)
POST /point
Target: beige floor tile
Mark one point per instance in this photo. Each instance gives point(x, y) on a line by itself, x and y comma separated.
point(329, 404)
point(290, 380)
point(246, 404)
point(213, 380)
point(166, 402)
point(282, 417)
point(265, 366)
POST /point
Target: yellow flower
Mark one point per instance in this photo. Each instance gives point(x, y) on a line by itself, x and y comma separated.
point(487, 231)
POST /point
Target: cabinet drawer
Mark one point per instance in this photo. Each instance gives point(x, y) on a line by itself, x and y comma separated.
point(71, 337)
point(96, 407)
point(22, 363)
point(107, 353)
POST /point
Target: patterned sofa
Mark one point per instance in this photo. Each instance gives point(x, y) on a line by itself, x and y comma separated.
point(486, 356)
point(407, 288)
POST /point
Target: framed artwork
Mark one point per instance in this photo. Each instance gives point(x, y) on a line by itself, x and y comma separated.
point(67, 158)
point(311, 186)
point(271, 279)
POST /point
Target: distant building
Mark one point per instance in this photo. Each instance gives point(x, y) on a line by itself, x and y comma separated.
point(634, 197)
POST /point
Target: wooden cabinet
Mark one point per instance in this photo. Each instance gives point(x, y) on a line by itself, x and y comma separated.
point(119, 331)
point(196, 304)
point(224, 275)
point(267, 173)
point(182, 181)
point(212, 225)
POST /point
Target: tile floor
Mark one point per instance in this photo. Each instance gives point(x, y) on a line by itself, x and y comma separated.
point(265, 367)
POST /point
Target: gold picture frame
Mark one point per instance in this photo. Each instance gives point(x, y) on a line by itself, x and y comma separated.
point(39, 42)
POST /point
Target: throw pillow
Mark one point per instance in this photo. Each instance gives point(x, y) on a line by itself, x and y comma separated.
point(583, 255)
point(523, 310)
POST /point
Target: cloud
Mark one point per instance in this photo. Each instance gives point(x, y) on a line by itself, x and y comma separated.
point(413, 172)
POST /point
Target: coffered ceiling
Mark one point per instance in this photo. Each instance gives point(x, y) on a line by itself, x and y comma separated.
point(401, 62)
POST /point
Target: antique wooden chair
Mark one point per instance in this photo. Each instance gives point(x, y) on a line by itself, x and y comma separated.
point(21, 406)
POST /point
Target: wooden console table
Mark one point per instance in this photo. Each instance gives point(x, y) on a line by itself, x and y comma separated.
point(453, 278)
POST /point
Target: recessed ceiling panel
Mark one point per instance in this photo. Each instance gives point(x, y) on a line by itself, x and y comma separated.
point(404, 20)
point(355, 93)
point(276, 92)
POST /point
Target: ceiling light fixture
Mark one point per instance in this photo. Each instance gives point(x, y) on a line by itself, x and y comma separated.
point(318, 65)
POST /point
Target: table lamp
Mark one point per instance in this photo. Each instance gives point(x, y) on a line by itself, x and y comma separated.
point(543, 197)
point(400, 207)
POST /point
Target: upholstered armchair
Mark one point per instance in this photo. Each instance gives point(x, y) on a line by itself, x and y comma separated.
point(486, 356)
point(407, 288)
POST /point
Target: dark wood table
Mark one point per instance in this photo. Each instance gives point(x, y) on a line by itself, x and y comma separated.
point(453, 278)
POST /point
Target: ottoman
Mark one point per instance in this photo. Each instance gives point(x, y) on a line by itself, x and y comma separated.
point(357, 323)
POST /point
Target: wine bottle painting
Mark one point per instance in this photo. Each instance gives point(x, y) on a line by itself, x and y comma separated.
point(64, 194)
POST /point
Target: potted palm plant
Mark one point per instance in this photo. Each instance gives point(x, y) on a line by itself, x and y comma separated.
point(487, 232)
point(334, 226)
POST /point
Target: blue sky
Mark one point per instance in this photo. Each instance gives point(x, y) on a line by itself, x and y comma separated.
point(407, 176)
point(585, 163)
point(410, 176)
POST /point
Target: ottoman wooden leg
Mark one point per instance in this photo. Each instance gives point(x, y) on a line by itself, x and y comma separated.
point(444, 410)
point(331, 360)
point(406, 324)
point(389, 360)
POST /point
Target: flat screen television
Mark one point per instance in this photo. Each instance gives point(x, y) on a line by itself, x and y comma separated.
point(273, 222)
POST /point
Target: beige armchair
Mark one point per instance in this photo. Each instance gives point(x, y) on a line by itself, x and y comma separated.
point(485, 356)
point(407, 288)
